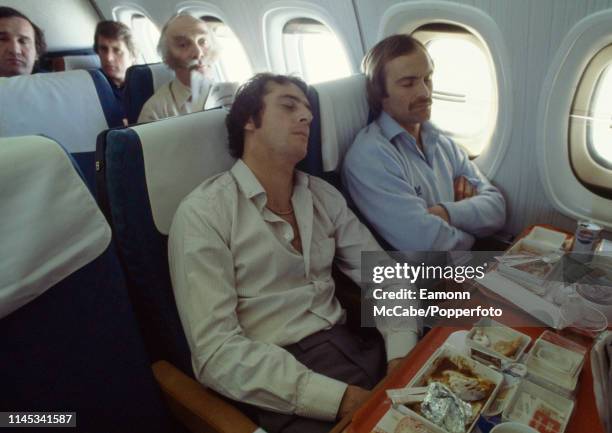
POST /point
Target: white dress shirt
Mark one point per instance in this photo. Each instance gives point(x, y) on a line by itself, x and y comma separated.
point(174, 98)
point(243, 291)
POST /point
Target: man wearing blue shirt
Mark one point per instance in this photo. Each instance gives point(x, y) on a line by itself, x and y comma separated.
point(414, 185)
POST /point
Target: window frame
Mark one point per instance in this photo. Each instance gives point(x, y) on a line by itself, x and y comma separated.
point(125, 15)
point(274, 22)
point(295, 59)
point(141, 53)
point(589, 167)
point(563, 188)
point(407, 17)
point(220, 69)
point(428, 33)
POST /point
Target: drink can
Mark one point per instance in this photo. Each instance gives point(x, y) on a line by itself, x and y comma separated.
point(587, 235)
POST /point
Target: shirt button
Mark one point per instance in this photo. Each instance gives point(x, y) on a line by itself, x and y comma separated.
point(320, 285)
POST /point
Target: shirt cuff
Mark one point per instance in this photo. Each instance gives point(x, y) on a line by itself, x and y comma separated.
point(321, 397)
point(459, 213)
point(398, 344)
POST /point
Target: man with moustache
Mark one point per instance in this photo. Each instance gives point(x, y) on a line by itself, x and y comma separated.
point(187, 47)
point(21, 43)
point(414, 185)
point(250, 254)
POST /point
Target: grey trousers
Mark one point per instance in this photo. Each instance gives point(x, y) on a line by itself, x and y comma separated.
point(337, 353)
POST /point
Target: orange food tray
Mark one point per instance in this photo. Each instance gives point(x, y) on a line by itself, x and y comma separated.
point(584, 419)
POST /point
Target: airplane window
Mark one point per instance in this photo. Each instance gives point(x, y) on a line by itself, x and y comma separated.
point(600, 138)
point(233, 64)
point(313, 52)
point(146, 35)
point(590, 137)
point(465, 92)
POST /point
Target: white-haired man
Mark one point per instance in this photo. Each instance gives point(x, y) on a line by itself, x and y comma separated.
point(187, 47)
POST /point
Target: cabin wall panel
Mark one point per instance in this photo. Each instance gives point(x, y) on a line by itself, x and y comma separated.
point(158, 11)
point(239, 17)
point(244, 17)
point(53, 17)
point(533, 31)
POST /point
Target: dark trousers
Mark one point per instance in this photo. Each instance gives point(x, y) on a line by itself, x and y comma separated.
point(338, 353)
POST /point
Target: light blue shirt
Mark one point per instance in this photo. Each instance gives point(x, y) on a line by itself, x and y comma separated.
point(393, 183)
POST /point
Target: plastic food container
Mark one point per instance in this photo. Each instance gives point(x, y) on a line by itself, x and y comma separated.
point(495, 344)
point(555, 362)
point(532, 260)
point(540, 408)
point(504, 395)
point(403, 421)
point(539, 241)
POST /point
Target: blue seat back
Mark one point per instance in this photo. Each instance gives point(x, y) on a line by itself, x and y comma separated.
point(313, 163)
point(146, 170)
point(70, 340)
point(70, 107)
point(141, 82)
point(342, 113)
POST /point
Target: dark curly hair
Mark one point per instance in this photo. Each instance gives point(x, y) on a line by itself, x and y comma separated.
point(39, 37)
point(249, 103)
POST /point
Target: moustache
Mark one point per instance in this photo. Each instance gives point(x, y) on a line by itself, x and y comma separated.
point(421, 102)
point(193, 64)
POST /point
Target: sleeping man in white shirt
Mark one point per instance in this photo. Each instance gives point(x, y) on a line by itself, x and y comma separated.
point(251, 254)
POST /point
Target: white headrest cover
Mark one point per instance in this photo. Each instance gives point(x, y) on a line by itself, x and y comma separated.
point(179, 154)
point(50, 225)
point(344, 111)
point(162, 74)
point(91, 61)
point(60, 105)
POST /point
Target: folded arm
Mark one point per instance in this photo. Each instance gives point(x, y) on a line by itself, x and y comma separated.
point(481, 213)
point(392, 206)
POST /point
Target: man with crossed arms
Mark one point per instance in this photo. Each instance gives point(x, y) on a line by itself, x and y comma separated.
point(413, 184)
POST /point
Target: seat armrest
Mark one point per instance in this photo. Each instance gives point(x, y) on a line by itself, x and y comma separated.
point(197, 408)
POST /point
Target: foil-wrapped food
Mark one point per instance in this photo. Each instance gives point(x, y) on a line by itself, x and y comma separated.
point(444, 408)
point(455, 395)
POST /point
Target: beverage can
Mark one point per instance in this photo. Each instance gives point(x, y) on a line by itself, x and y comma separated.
point(587, 235)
